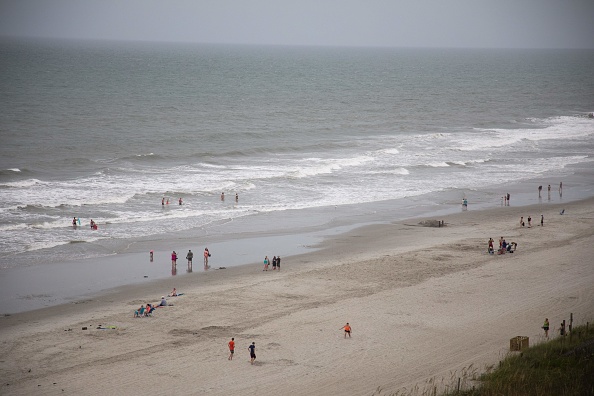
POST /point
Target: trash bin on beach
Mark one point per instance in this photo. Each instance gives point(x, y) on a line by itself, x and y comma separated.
point(518, 343)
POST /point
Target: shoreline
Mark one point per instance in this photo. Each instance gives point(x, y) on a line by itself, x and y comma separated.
point(423, 302)
point(46, 284)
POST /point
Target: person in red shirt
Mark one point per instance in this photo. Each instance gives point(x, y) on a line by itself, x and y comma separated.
point(347, 330)
point(231, 348)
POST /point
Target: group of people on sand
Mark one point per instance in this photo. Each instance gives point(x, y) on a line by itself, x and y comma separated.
point(252, 347)
point(76, 222)
point(503, 246)
point(276, 261)
point(546, 327)
point(150, 308)
point(529, 219)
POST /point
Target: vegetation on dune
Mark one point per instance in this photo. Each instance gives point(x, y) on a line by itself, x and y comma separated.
point(562, 366)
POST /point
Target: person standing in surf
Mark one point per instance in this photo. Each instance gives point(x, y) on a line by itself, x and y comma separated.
point(189, 257)
point(206, 256)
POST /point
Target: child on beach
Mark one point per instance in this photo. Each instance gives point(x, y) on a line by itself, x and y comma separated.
point(252, 349)
point(231, 348)
point(347, 330)
point(265, 263)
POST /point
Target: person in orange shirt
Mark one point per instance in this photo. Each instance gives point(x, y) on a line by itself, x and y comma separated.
point(231, 348)
point(347, 330)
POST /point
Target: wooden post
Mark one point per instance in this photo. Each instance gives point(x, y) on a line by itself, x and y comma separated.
point(458, 384)
point(570, 322)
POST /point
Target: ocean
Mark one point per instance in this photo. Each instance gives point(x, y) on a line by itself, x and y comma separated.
point(308, 138)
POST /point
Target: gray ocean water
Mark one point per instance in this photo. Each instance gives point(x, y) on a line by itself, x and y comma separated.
point(106, 131)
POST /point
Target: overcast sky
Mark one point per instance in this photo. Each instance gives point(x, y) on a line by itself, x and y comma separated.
point(392, 23)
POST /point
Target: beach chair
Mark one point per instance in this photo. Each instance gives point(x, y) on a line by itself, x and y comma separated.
point(139, 313)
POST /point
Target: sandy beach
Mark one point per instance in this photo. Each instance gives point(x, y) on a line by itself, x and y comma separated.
point(424, 303)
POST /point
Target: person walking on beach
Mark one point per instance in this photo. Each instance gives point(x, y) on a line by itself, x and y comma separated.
point(173, 259)
point(545, 327)
point(529, 221)
point(490, 249)
point(266, 263)
point(252, 349)
point(508, 199)
point(231, 348)
point(347, 330)
point(189, 257)
point(539, 190)
point(521, 221)
point(542, 220)
point(274, 263)
point(278, 263)
point(74, 222)
point(206, 256)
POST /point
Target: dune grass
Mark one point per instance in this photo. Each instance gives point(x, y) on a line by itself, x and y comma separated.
point(563, 366)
